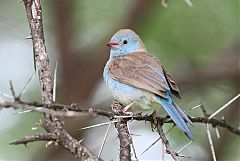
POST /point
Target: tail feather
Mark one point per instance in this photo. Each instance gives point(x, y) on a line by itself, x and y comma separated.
point(182, 114)
point(177, 115)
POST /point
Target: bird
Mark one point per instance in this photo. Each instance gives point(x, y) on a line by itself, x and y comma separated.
point(136, 78)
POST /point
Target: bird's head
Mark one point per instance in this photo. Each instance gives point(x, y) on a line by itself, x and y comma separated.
point(125, 42)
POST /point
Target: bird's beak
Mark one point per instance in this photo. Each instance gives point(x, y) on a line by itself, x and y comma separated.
point(112, 44)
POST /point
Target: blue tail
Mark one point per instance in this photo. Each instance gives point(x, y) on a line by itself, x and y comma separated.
point(176, 114)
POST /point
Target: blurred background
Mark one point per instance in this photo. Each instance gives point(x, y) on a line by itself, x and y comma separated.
point(199, 46)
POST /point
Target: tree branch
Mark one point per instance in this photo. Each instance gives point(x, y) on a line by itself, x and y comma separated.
point(97, 112)
point(169, 150)
point(34, 16)
point(123, 133)
point(40, 137)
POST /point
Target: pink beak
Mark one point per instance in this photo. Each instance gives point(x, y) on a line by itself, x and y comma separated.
point(112, 44)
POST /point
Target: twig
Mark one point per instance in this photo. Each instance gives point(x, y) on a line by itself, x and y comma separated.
point(216, 122)
point(69, 143)
point(40, 137)
point(169, 150)
point(49, 111)
point(224, 106)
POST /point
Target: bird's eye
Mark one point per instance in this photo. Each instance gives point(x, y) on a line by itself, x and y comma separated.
point(125, 42)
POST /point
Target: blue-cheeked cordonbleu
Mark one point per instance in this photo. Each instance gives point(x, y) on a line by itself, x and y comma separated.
point(138, 78)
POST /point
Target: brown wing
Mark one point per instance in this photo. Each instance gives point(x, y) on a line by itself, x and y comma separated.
point(134, 69)
point(157, 65)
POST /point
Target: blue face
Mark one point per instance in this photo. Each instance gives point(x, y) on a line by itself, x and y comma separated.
point(126, 43)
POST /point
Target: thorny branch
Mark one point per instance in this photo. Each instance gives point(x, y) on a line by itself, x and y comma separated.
point(41, 61)
point(123, 133)
point(169, 150)
point(40, 137)
point(125, 140)
point(75, 109)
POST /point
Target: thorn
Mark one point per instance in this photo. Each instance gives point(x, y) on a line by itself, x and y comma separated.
point(224, 106)
point(55, 82)
point(25, 144)
point(151, 145)
point(223, 119)
point(23, 112)
point(184, 147)
point(183, 156)
point(211, 143)
point(135, 134)
point(6, 95)
point(127, 107)
point(195, 107)
point(1, 100)
point(189, 2)
point(34, 128)
point(97, 125)
point(56, 143)
point(170, 129)
point(73, 104)
point(12, 90)
point(217, 133)
point(48, 144)
point(104, 140)
point(122, 117)
point(28, 37)
point(27, 84)
point(80, 141)
point(164, 3)
point(132, 145)
point(163, 151)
